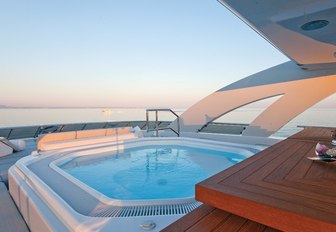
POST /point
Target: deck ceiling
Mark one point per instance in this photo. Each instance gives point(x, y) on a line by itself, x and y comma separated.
point(280, 22)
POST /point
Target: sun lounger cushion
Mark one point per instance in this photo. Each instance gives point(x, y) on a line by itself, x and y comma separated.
point(5, 150)
point(90, 133)
point(85, 141)
point(86, 137)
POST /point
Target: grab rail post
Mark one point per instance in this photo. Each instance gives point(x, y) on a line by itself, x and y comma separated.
point(147, 121)
point(157, 121)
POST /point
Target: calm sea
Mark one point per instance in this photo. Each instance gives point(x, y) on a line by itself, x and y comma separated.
point(28, 117)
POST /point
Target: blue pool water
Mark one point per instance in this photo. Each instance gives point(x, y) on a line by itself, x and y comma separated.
point(150, 172)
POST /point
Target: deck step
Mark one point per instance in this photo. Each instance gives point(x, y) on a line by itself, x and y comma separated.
point(207, 218)
point(11, 219)
point(279, 186)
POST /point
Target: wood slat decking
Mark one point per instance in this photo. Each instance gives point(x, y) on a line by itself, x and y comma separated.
point(279, 187)
point(206, 218)
point(314, 134)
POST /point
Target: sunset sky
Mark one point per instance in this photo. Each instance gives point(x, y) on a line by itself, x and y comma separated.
point(123, 53)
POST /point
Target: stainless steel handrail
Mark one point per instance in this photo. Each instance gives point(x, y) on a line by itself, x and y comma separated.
point(35, 130)
point(157, 120)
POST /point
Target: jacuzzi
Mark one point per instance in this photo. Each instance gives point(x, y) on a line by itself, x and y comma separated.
point(79, 189)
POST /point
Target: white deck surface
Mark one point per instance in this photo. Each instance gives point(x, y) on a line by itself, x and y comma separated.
point(7, 161)
point(11, 219)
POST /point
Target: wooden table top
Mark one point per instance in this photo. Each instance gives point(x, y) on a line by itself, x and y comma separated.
point(279, 187)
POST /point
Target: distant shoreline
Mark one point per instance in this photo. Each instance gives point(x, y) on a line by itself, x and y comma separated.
point(81, 107)
point(123, 107)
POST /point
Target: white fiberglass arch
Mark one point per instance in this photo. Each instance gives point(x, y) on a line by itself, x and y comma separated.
point(303, 30)
point(300, 88)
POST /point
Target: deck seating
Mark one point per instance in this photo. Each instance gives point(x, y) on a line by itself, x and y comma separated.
point(8, 147)
point(5, 149)
point(84, 137)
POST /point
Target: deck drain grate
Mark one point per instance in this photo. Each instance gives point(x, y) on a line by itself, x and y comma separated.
point(150, 210)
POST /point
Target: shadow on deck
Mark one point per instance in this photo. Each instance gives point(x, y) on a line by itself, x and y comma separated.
point(11, 219)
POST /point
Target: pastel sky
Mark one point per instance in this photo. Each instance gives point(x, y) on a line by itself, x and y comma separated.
point(123, 53)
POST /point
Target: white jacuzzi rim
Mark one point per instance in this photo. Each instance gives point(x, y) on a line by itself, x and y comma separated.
point(199, 143)
point(68, 216)
point(25, 178)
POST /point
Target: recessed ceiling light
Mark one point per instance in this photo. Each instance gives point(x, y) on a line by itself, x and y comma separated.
point(314, 25)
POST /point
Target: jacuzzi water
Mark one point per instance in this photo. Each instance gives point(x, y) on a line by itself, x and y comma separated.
point(149, 172)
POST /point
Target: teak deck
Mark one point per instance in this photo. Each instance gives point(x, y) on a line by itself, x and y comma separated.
point(278, 187)
point(206, 218)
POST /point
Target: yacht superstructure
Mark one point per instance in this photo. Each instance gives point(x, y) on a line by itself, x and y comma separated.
point(301, 29)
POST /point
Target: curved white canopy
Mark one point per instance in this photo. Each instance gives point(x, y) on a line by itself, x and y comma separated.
point(304, 30)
